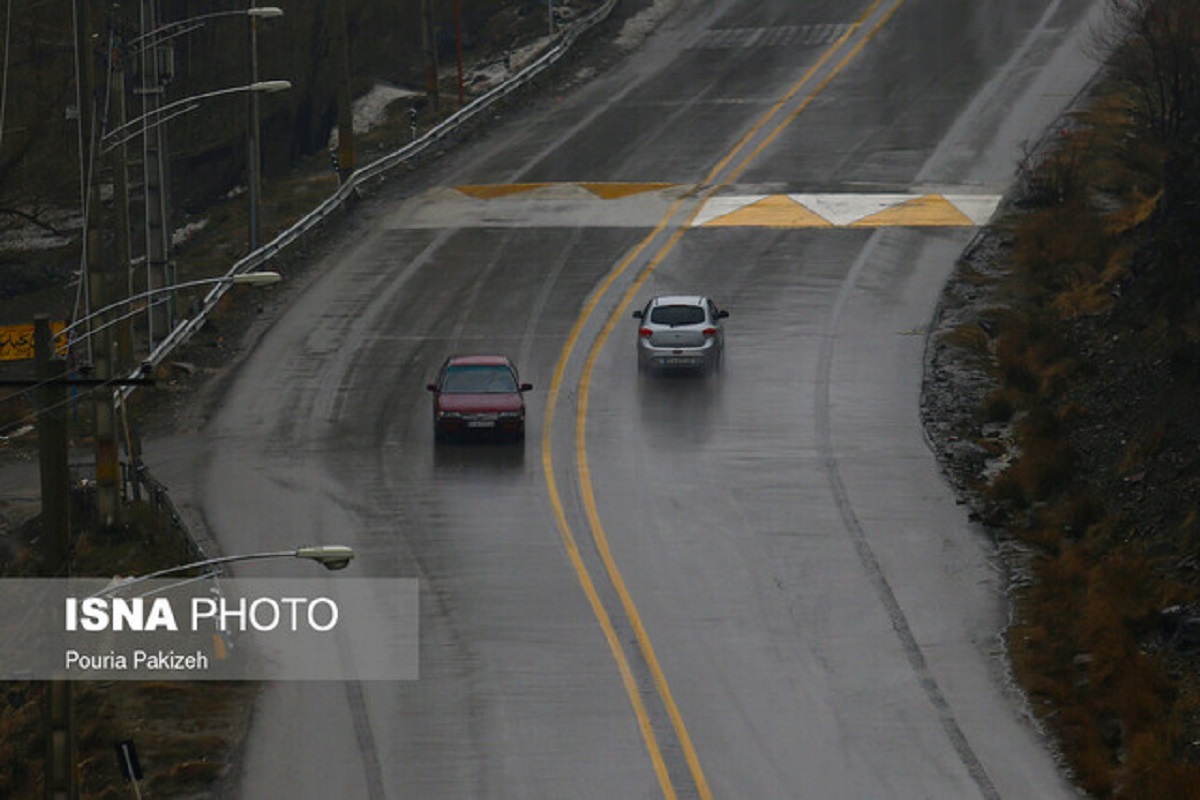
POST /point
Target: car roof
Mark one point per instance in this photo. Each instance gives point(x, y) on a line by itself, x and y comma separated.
point(678, 300)
point(478, 361)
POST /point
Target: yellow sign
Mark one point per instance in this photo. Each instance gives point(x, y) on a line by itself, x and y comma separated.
point(16, 341)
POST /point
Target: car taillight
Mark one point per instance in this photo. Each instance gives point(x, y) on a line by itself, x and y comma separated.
point(645, 333)
point(710, 332)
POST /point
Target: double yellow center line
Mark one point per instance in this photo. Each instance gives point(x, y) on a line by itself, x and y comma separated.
point(727, 170)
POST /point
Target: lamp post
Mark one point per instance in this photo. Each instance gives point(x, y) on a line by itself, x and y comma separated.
point(107, 462)
point(57, 700)
point(156, 72)
point(254, 144)
point(149, 126)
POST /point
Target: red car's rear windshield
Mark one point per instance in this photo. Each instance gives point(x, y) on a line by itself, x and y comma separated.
point(479, 379)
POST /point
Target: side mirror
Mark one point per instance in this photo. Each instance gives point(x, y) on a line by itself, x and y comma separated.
point(722, 314)
point(638, 314)
point(431, 387)
point(525, 387)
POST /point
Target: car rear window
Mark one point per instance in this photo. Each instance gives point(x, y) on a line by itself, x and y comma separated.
point(479, 379)
point(677, 315)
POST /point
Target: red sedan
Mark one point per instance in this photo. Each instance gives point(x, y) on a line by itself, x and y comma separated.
point(479, 394)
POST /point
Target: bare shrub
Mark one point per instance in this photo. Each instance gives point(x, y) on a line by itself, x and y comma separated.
point(999, 405)
point(1152, 48)
point(970, 337)
point(1155, 52)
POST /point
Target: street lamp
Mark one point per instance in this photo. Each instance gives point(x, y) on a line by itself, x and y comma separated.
point(331, 556)
point(170, 30)
point(164, 33)
point(119, 135)
point(154, 45)
point(107, 467)
point(57, 698)
point(245, 278)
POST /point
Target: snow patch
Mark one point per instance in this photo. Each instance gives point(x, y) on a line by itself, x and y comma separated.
point(58, 228)
point(639, 26)
point(371, 109)
point(181, 235)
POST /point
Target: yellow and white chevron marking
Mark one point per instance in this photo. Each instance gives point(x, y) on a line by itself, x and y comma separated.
point(847, 210)
point(631, 204)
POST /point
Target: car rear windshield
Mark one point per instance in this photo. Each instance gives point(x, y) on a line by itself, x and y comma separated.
point(479, 379)
point(677, 315)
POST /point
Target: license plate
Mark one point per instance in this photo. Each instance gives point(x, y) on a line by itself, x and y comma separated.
point(678, 362)
point(481, 423)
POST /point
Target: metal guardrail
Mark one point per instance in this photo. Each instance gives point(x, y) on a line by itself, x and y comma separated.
point(158, 496)
point(285, 240)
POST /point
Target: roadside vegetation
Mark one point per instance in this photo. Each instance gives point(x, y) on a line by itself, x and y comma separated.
point(186, 732)
point(1093, 349)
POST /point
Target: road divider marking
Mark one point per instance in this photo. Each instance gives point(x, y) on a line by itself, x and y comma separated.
point(721, 176)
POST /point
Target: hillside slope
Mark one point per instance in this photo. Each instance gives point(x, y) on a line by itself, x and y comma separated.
point(1061, 400)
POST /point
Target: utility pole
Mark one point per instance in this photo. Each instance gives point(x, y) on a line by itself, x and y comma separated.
point(429, 42)
point(156, 66)
point(52, 449)
point(99, 273)
point(253, 138)
point(341, 54)
point(118, 54)
point(56, 537)
point(458, 49)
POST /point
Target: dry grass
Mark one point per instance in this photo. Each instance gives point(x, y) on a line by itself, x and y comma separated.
point(1077, 652)
point(972, 339)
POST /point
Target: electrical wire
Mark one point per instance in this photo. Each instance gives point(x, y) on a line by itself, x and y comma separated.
point(72, 398)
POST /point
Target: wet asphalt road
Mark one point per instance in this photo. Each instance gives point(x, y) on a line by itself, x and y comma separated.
point(752, 584)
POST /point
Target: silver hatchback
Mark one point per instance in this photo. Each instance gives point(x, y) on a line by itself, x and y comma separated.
point(680, 332)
